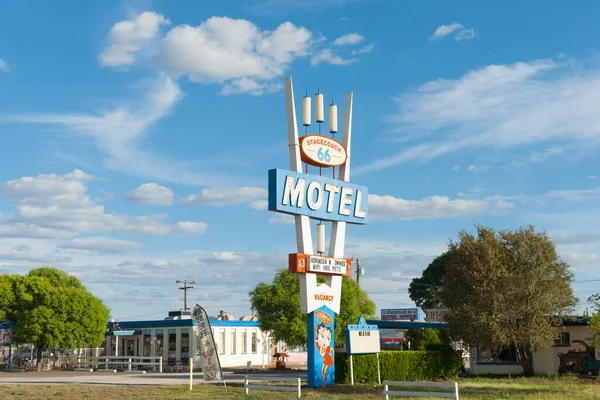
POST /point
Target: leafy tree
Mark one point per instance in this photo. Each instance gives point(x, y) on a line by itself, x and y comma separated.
point(420, 338)
point(52, 309)
point(278, 308)
point(425, 291)
point(506, 288)
point(595, 320)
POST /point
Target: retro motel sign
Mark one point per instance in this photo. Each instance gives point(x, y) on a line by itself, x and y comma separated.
point(321, 198)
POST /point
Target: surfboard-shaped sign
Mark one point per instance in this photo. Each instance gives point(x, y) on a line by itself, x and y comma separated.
point(322, 151)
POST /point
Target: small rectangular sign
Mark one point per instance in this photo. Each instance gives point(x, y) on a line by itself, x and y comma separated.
point(317, 197)
point(401, 314)
point(328, 265)
point(435, 314)
point(362, 338)
point(303, 263)
point(5, 336)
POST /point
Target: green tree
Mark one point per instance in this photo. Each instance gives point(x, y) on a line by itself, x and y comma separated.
point(595, 320)
point(420, 338)
point(506, 288)
point(52, 309)
point(278, 307)
point(425, 291)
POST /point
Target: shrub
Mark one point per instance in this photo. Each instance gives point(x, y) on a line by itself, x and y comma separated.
point(420, 338)
point(398, 365)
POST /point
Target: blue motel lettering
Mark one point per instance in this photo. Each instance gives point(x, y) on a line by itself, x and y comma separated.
point(317, 197)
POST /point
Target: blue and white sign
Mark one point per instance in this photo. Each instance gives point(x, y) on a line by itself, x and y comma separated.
point(401, 314)
point(362, 338)
point(317, 197)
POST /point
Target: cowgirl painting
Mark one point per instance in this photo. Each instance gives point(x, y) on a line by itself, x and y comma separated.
point(323, 343)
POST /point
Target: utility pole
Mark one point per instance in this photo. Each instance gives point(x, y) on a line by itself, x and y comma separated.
point(358, 272)
point(185, 288)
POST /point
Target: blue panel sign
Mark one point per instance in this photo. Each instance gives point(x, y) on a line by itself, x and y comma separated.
point(317, 197)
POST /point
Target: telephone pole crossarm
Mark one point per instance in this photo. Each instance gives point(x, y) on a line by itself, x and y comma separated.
point(185, 288)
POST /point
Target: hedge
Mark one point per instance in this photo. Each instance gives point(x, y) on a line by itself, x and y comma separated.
point(403, 365)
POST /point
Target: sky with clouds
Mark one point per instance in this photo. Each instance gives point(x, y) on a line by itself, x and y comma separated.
point(137, 136)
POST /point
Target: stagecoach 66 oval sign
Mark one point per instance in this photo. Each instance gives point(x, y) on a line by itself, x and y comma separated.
point(322, 151)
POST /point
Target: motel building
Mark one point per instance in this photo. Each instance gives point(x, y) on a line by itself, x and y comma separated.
point(238, 342)
point(571, 353)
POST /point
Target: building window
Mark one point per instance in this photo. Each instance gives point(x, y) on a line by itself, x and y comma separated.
point(244, 342)
point(233, 343)
point(507, 354)
point(185, 346)
point(564, 339)
point(254, 342)
point(160, 343)
point(147, 346)
point(172, 344)
point(222, 341)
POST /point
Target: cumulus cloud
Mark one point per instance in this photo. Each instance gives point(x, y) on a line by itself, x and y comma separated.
point(461, 32)
point(348, 39)
point(259, 204)
point(365, 49)
point(51, 205)
point(225, 196)
point(128, 38)
point(4, 66)
point(328, 57)
point(100, 245)
point(390, 208)
point(499, 107)
point(151, 194)
point(223, 50)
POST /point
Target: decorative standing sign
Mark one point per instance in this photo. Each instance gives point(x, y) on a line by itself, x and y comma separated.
point(362, 339)
point(205, 347)
point(334, 199)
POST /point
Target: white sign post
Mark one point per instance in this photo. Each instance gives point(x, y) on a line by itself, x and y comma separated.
point(363, 339)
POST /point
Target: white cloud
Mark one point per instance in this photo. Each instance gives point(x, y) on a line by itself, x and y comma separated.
point(250, 86)
point(259, 204)
point(4, 66)
point(226, 50)
point(225, 196)
point(471, 168)
point(500, 107)
point(434, 207)
point(128, 38)
point(51, 205)
point(282, 219)
point(461, 32)
point(151, 194)
point(119, 133)
point(592, 176)
point(348, 39)
point(363, 50)
point(465, 34)
point(100, 245)
point(455, 168)
point(327, 57)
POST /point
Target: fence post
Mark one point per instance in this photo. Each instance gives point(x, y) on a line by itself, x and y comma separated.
point(456, 390)
point(385, 390)
point(78, 362)
point(299, 388)
point(106, 364)
point(129, 365)
point(246, 385)
point(160, 364)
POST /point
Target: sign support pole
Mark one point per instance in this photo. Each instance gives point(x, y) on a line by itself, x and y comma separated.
point(351, 371)
point(378, 370)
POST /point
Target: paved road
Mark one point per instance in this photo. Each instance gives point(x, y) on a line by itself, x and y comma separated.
point(123, 378)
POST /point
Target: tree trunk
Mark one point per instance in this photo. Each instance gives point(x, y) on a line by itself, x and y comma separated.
point(525, 356)
point(39, 359)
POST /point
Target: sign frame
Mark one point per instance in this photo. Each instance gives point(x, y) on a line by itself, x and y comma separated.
point(387, 311)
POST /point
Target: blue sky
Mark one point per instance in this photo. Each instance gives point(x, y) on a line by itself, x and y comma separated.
point(136, 137)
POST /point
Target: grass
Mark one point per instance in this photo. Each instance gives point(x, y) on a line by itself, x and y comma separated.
point(541, 388)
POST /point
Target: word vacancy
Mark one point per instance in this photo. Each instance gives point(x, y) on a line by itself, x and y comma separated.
point(317, 197)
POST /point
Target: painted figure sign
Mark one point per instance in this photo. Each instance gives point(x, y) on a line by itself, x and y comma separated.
point(320, 329)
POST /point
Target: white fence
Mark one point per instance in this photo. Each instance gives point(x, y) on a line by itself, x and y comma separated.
point(297, 388)
point(387, 392)
point(113, 363)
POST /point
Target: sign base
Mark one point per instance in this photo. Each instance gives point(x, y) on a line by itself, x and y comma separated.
point(320, 345)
